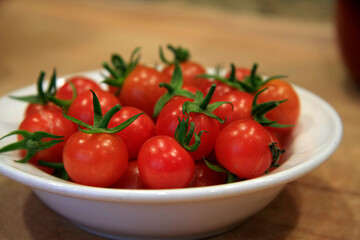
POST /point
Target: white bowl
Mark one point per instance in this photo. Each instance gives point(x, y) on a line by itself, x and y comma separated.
point(181, 213)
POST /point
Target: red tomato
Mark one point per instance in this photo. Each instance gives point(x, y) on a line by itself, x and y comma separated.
point(286, 113)
point(168, 121)
point(52, 122)
point(34, 107)
point(243, 148)
point(137, 132)
point(240, 109)
point(98, 159)
point(131, 178)
point(240, 73)
point(141, 89)
point(82, 107)
point(163, 164)
point(81, 84)
point(204, 176)
point(189, 71)
point(221, 88)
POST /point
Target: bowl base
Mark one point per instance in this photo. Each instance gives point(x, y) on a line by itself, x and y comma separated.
point(189, 237)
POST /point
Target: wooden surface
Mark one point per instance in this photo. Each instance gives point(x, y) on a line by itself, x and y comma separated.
point(76, 36)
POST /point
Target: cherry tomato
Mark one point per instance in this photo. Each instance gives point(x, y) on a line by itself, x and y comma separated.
point(168, 121)
point(141, 89)
point(163, 164)
point(81, 84)
point(98, 159)
point(34, 107)
point(82, 107)
point(243, 148)
point(189, 71)
point(204, 176)
point(52, 122)
point(286, 113)
point(131, 178)
point(137, 132)
point(240, 108)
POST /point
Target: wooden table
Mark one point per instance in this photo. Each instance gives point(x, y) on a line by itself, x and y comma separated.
point(79, 35)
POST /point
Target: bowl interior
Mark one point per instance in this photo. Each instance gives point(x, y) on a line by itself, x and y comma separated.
point(315, 138)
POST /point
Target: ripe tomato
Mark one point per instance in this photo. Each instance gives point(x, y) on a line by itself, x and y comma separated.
point(137, 132)
point(131, 178)
point(189, 70)
point(141, 89)
point(163, 163)
point(240, 109)
point(286, 113)
point(204, 176)
point(82, 107)
point(243, 148)
point(81, 84)
point(98, 159)
point(168, 121)
point(52, 122)
point(35, 107)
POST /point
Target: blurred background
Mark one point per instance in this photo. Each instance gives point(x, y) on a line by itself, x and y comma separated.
point(315, 43)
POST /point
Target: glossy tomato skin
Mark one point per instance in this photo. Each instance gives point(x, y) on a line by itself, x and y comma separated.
point(95, 159)
point(82, 107)
point(34, 107)
point(52, 122)
point(190, 70)
point(168, 121)
point(81, 84)
point(286, 113)
point(204, 176)
point(243, 148)
point(141, 89)
point(137, 132)
point(240, 108)
point(131, 178)
point(164, 164)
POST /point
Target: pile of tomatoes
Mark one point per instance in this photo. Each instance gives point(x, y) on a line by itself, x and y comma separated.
point(158, 128)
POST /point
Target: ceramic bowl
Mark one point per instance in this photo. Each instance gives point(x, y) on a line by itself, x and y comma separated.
point(190, 213)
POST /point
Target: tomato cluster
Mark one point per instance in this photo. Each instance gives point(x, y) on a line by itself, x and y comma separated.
point(157, 128)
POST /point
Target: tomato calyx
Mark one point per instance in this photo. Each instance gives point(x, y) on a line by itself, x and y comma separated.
point(183, 135)
point(32, 142)
point(230, 177)
point(201, 104)
point(255, 81)
point(173, 89)
point(276, 152)
point(59, 169)
point(120, 69)
point(258, 111)
point(231, 81)
point(44, 97)
point(180, 54)
point(101, 122)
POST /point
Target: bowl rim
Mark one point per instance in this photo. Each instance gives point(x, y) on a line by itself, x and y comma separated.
point(69, 189)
